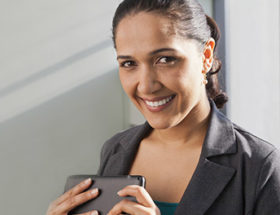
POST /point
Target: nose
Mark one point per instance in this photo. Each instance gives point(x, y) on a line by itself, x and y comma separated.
point(148, 82)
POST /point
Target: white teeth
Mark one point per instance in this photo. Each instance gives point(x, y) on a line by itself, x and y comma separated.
point(158, 103)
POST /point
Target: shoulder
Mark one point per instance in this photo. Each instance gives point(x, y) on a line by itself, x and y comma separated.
point(240, 149)
point(112, 144)
point(259, 160)
point(252, 146)
point(259, 163)
point(257, 169)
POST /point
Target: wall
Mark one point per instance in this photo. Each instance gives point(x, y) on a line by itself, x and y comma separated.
point(253, 72)
point(60, 97)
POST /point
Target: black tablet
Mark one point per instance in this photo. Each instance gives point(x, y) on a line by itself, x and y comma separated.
point(108, 187)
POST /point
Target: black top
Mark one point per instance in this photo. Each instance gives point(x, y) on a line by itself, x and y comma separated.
point(237, 173)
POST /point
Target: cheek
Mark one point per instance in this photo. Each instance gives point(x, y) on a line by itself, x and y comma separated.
point(190, 74)
point(186, 80)
point(182, 79)
point(128, 83)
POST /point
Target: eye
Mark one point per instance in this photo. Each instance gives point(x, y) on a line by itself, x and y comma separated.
point(127, 64)
point(167, 60)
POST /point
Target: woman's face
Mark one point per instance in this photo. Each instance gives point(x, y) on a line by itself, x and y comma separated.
point(160, 72)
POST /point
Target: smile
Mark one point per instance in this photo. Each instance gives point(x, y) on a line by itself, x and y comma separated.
point(160, 102)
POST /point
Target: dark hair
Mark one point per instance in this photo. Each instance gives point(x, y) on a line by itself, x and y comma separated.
point(190, 22)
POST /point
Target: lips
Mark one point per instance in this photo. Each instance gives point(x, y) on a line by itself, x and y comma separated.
point(159, 103)
point(156, 103)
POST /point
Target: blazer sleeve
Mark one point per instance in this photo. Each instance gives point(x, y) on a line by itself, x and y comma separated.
point(104, 156)
point(267, 193)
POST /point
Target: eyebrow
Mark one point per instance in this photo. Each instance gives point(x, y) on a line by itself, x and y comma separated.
point(162, 50)
point(151, 53)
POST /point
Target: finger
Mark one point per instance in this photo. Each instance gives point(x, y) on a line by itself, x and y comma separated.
point(74, 191)
point(79, 199)
point(140, 193)
point(94, 212)
point(129, 207)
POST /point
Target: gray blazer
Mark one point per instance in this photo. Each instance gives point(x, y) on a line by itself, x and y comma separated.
point(237, 173)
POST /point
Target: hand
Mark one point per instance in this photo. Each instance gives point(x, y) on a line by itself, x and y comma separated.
point(72, 198)
point(144, 204)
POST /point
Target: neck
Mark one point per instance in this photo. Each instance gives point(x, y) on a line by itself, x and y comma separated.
point(190, 131)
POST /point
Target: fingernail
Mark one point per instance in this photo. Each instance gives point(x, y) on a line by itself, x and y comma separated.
point(87, 181)
point(94, 213)
point(120, 192)
point(94, 191)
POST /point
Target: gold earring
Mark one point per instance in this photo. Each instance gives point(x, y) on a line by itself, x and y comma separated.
point(204, 81)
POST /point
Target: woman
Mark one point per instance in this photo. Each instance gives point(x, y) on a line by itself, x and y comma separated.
point(194, 159)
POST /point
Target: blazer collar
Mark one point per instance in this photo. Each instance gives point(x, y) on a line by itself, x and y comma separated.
point(220, 138)
point(210, 178)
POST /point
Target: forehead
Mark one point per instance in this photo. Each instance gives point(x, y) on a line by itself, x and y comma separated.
point(144, 30)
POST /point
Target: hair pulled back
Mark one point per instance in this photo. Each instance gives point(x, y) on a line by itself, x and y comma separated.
point(190, 22)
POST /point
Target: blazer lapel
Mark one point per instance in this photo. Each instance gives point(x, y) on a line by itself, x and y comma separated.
point(207, 183)
point(210, 178)
point(115, 165)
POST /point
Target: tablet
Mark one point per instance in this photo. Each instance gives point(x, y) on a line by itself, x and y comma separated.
point(108, 187)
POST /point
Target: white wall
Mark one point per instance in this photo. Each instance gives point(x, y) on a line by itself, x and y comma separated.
point(253, 72)
point(61, 44)
point(60, 97)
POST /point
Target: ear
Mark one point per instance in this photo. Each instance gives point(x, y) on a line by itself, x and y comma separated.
point(208, 54)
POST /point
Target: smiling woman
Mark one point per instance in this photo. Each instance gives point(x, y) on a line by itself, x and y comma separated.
point(194, 159)
point(161, 67)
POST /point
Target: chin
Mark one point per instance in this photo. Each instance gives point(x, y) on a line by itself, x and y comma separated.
point(160, 124)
